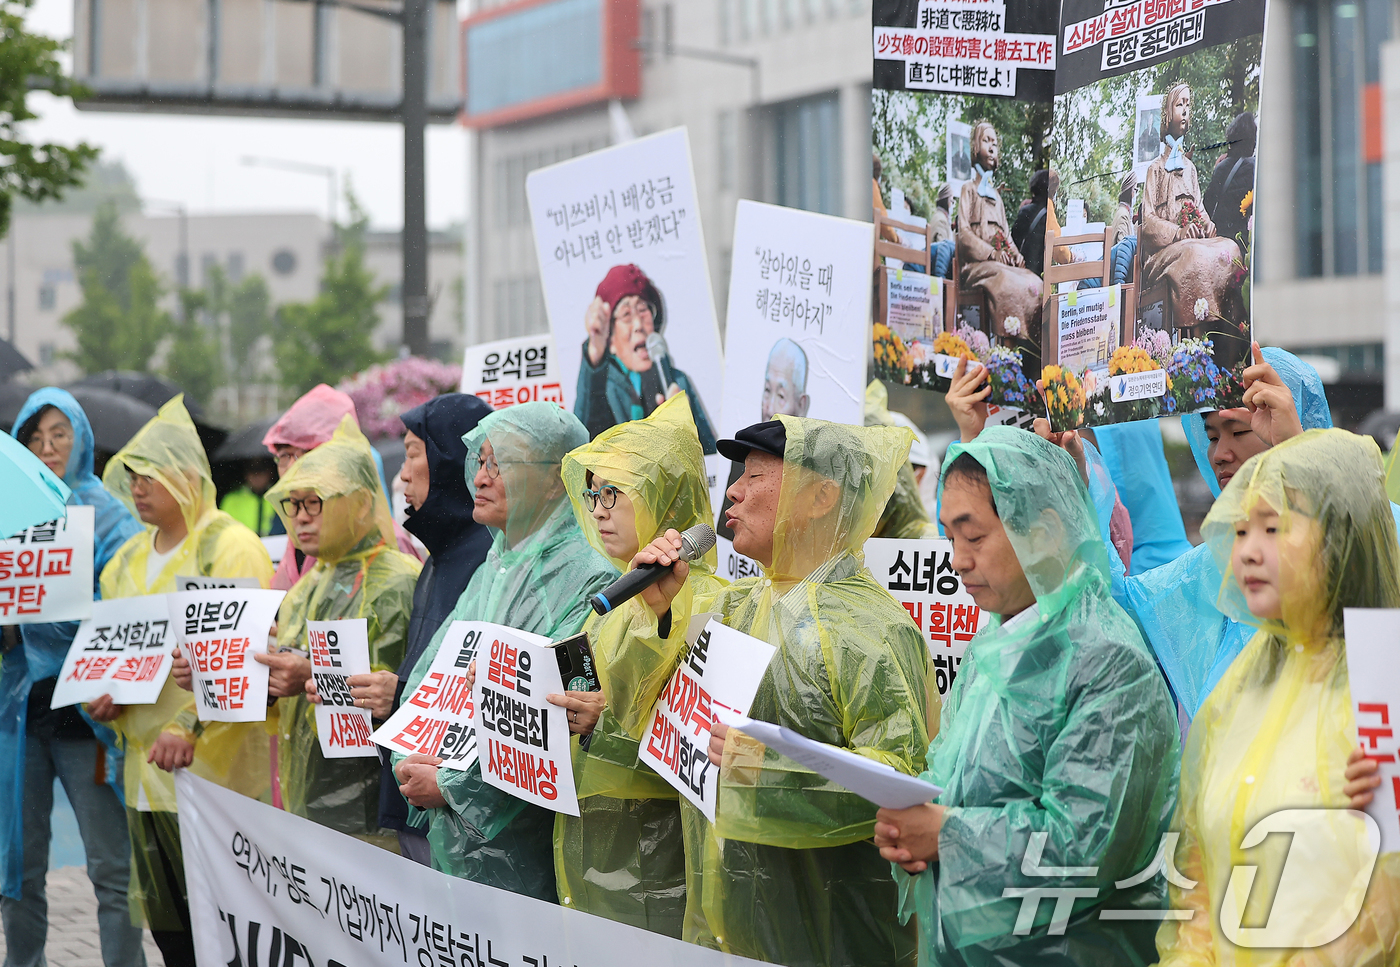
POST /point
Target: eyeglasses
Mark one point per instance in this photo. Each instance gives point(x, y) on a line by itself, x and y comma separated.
point(292, 506)
point(57, 439)
point(607, 497)
point(489, 464)
point(138, 482)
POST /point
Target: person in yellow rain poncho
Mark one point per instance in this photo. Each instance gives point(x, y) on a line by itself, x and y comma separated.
point(623, 857)
point(334, 511)
point(1058, 751)
point(783, 875)
point(904, 514)
point(1303, 531)
point(537, 577)
point(163, 476)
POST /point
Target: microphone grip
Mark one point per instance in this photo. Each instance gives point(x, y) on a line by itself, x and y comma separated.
point(631, 584)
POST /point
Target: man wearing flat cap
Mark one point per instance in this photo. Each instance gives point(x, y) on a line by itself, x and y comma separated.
point(784, 874)
point(618, 378)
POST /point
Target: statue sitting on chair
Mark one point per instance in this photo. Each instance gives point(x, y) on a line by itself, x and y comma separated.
point(1179, 242)
point(989, 260)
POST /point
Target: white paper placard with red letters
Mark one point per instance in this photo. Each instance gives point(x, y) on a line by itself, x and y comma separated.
point(220, 630)
point(46, 571)
point(524, 741)
point(338, 650)
point(437, 719)
point(123, 650)
point(1373, 637)
point(920, 575)
point(511, 371)
point(719, 670)
point(198, 582)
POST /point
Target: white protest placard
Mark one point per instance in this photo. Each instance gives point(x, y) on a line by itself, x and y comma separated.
point(511, 371)
point(920, 576)
point(1373, 636)
point(437, 719)
point(1088, 322)
point(267, 887)
point(219, 632)
point(799, 319)
point(720, 670)
point(524, 739)
point(276, 545)
point(123, 650)
point(914, 302)
point(880, 783)
point(198, 582)
point(338, 650)
point(46, 571)
point(622, 226)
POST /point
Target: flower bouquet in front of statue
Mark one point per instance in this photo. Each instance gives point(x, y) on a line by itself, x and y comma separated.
point(1191, 215)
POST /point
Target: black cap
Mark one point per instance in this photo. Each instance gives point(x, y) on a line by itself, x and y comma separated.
point(770, 437)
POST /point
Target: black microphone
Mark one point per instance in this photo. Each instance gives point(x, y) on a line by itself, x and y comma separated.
point(695, 542)
point(656, 349)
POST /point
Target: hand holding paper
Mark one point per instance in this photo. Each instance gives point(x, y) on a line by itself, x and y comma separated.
point(875, 781)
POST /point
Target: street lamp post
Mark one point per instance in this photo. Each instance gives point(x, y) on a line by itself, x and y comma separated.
point(303, 168)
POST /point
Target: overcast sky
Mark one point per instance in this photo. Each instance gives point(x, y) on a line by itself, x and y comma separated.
point(197, 160)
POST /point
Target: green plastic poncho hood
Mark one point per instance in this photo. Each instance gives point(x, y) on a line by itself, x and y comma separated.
point(784, 874)
point(1058, 724)
point(528, 441)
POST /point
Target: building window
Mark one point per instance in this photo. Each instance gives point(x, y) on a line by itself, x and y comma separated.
point(208, 262)
point(235, 266)
point(48, 298)
point(807, 140)
point(48, 353)
point(565, 35)
point(727, 146)
point(1337, 135)
point(512, 209)
point(284, 261)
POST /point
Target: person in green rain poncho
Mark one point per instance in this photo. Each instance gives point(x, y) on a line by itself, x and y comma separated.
point(783, 875)
point(335, 511)
point(623, 857)
point(1058, 757)
point(537, 577)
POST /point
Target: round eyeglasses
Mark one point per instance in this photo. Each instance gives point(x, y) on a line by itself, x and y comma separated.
point(607, 497)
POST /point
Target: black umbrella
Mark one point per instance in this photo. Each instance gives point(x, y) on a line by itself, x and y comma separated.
point(1381, 426)
point(115, 417)
point(12, 361)
point(246, 444)
point(12, 397)
point(149, 389)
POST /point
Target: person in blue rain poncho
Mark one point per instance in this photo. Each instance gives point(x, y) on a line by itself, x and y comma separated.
point(1175, 605)
point(537, 577)
point(1057, 755)
point(37, 744)
point(1136, 461)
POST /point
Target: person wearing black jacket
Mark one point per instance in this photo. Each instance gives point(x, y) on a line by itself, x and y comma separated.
point(440, 515)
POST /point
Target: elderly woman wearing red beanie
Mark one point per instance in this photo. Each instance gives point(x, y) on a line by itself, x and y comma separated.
point(619, 378)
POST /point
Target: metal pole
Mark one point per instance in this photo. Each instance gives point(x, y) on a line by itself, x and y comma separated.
point(415, 228)
point(10, 281)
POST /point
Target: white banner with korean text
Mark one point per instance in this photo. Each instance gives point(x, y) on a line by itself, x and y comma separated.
point(266, 887)
point(511, 371)
point(920, 576)
point(46, 571)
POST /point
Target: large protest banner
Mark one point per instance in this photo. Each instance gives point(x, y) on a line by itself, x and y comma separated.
point(1147, 304)
point(961, 120)
point(719, 671)
point(46, 571)
point(123, 650)
point(627, 283)
point(1372, 635)
point(511, 371)
point(219, 630)
point(798, 304)
point(920, 576)
point(266, 887)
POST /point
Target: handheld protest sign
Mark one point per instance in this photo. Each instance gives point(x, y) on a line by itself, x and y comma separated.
point(626, 284)
point(338, 650)
point(437, 719)
point(525, 740)
point(512, 371)
point(198, 582)
point(123, 650)
point(719, 670)
point(799, 292)
point(919, 575)
point(965, 97)
point(219, 631)
point(1147, 296)
point(46, 571)
point(1372, 635)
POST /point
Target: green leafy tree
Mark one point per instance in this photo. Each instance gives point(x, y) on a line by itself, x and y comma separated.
point(328, 338)
point(119, 323)
point(193, 359)
point(249, 308)
point(32, 171)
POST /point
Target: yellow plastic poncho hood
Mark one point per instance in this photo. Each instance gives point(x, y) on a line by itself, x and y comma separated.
point(1278, 728)
point(169, 450)
point(904, 515)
